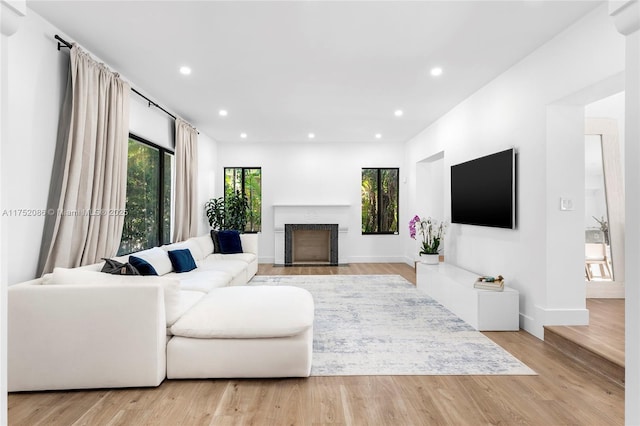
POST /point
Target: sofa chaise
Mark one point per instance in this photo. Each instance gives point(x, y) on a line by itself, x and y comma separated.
point(81, 328)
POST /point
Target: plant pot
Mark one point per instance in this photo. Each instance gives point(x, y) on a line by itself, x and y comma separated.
point(430, 259)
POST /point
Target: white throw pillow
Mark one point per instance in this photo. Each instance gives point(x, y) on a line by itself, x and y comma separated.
point(193, 247)
point(158, 258)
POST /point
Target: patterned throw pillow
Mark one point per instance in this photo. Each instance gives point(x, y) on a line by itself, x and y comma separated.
point(114, 267)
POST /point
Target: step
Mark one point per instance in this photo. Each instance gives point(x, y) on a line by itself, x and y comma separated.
point(599, 360)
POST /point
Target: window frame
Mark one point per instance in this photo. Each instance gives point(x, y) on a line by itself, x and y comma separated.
point(162, 151)
point(379, 188)
point(242, 184)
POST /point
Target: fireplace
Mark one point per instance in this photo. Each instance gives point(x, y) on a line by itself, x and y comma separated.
point(333, 217)
point(310, 244)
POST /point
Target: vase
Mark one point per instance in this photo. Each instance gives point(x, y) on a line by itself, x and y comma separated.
point(430, 259)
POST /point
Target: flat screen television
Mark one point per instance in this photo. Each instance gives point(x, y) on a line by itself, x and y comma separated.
point(483, 191)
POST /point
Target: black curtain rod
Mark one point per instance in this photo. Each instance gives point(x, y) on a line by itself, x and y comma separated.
point(63, 43)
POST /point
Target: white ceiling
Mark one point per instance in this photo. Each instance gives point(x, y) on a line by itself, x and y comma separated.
point(285, 69)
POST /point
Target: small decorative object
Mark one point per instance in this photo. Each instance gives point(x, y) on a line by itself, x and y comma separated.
point(490, 283)
point(432, 233)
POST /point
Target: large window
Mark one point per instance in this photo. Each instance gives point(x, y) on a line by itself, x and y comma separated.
point(380, 201)
point(149, 190)
point(247, 181)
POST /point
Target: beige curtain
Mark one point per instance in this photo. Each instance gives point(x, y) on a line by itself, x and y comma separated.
point(89, 180)
point(186, 189)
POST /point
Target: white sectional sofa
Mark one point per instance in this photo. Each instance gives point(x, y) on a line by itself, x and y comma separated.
point(82, 328)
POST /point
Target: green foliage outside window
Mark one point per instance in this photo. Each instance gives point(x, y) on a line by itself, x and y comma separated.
point(248, 182)
point(148, 220)
point(380, 201)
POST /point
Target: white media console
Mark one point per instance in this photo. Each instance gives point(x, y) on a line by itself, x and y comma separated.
point(485, 310)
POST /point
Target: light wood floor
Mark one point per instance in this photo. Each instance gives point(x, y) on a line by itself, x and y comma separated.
point(562, 393)
point(605, 333)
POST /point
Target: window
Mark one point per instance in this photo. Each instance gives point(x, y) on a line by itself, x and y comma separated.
point(380, 201)
point(248, 181)
point(149, 191)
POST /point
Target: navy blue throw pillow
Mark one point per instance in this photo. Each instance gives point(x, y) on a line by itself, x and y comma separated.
point(216, 241)
point(230, 242)
point(142, 266)
point(182, 260)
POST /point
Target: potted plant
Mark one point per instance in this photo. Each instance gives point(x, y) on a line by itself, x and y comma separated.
point(236, 206)
point(214, 208)
point(228, 212)
point(432, 233)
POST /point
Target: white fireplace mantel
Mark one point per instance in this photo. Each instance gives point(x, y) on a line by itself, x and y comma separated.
point(310, 205)
point(310, 213)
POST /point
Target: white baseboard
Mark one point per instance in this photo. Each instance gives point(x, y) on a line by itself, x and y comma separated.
point(548, 316)
point(376, 259)
point(530, 325)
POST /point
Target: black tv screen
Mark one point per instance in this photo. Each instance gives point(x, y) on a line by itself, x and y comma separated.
point(483, 191)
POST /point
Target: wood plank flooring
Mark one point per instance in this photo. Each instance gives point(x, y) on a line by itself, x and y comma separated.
point(599, 345)
point(605, 333)
point(563, 393)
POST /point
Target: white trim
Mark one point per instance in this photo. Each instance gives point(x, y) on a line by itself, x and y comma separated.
point(550, 316)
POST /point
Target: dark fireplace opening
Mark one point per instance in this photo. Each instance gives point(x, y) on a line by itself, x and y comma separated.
point(310, 244)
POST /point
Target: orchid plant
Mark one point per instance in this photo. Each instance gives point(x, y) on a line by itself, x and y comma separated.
point(432, 233)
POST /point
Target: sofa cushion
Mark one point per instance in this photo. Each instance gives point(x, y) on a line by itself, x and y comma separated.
point(249, 243)
point(186, 300)
point(75, 276)
point(230, 266)
point(157, 257)
point(142, 266)
point(248, 313)
point(230, 242)
point(182, 260)
point(245, 257)
point(206, 245)
point(190, 244)
point(202, 281)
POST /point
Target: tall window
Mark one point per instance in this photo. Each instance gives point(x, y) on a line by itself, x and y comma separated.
point(380, 201)
point(149, 191)
point(248, 181)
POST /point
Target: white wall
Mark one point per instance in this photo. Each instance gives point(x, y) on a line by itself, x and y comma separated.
point(542, 258)
point(150, 123)
point(318, 173)
point(37, 74)
point(207, 166)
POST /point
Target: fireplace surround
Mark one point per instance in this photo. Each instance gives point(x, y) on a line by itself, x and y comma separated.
point(312, 214)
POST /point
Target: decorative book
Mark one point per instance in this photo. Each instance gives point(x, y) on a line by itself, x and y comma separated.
point(490, 283)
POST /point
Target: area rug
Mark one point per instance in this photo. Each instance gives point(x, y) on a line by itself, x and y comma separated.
point(382, 325)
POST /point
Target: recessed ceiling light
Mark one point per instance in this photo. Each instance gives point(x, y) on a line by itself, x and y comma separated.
point(243, 135)
point(185, 70)
point(398, 113)
point(436, 71)
point(378, 135)
point(311, 135)
point(223, 113)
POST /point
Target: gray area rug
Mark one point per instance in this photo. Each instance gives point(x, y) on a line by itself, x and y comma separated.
point(367, 325)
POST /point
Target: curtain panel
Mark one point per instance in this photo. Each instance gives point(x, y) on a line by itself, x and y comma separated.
point(186, 188)
point(87, 198)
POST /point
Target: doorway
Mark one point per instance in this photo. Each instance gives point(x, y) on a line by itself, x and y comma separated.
point(604, 198)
